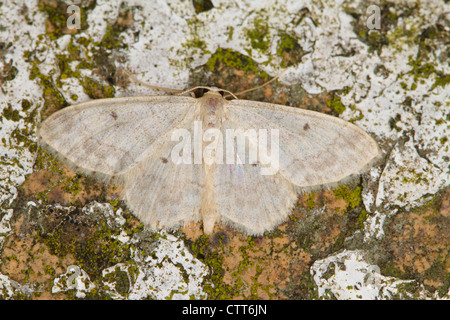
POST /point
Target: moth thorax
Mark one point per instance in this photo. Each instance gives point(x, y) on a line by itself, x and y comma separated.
point(212, 110)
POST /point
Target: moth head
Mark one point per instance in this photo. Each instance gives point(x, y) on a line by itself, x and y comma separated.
point(200, 91)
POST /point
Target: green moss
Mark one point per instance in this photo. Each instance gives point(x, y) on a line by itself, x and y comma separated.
point(230, 33)
point(13, 71)
point(11, 114)
point(361, 218)
point(111, 39)
point(121, 279)
point(55, 244)
point(289, 50)
point(100, 251)
point(422, 69)
point(202, 5)
point(259, 35)
point(93, 56)
point(52, 97)
point(215, 287)
point(20, 136)
point(195, 43)
point(351, 197)
point(235, 60)
point(26, 104)
point(96, 90)
point(408, 290)
point(72, 186)
point(57, 20)
point(45, 161)
point(57, 16)
point(357, 114)
point(336, 104)
point(93, 254)
point(401, 35)
point(393, 123)
point(245, 261)
point(438, 272)
point(310, 201)
point(442, 80)
point(50, 270)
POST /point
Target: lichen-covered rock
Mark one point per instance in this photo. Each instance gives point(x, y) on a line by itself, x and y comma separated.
point(384, 68)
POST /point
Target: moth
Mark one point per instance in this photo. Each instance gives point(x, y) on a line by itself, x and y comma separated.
point(182, 159)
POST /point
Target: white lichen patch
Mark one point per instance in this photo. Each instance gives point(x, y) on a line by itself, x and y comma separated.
point(347, 276)
point(406, 178)
point(6, 288)
point(5, 226)
point(170, 272)
point(373, 226)
point(16, 159)
point(114, 218)
point(10, 289)
point(74, 279)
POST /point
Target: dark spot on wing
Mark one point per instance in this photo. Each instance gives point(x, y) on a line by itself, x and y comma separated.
point(306, 127)
point(114, 115)
point(164, 160)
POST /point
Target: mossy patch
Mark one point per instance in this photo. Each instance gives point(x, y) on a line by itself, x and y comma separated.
point(234, 60)
point(51, 182)
point(215, 287)
point(90, 240)
point(236, 72)
point(11, 114)
point(417, 246)
point(327, 220)
point(202, 5)
point(56, 24)
point(389, 32)
point(289, 50)
point(258, 35)
point(84, 51)
point(248, 267)
point(336, 104)
point(96, 90)
point(351, 197)
point(121, 279)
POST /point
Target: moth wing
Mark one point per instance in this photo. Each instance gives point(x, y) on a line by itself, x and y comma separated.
point(162, 192)
point(109, 136)
point(245, 198)
point(315, 149)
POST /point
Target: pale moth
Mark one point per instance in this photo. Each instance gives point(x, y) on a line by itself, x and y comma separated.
point(181, 159)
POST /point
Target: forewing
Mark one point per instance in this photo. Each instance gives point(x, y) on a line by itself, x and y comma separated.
point(110, 136)
point(314, 149)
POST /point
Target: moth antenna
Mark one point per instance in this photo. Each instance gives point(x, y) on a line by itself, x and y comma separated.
point(134, 79)
point(261, 86)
